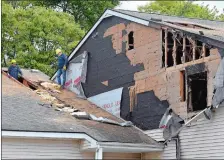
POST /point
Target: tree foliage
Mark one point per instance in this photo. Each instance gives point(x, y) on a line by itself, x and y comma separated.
point(31, 35)
point(181, 8)
point(84, 12)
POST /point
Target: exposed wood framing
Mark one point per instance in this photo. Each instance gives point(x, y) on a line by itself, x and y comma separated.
point(194, 49)
point(166, 41)
point(203, 50)
point(184, 49)
point(174, 51)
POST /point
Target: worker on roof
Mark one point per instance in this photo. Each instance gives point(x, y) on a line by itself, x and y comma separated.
point(14, 70)
point(62, 65)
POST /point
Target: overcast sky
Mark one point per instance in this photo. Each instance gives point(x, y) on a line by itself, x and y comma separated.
point(132, 5)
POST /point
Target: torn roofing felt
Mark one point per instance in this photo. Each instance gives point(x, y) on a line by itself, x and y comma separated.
point(21, 111)
point(76, 74)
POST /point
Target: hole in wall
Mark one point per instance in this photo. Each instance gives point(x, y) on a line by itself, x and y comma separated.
point(198, 91)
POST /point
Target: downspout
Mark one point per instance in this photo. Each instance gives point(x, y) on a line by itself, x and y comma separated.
point(99, 152)
point(177, 139)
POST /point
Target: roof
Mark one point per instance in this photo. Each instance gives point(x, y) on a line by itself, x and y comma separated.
point(21, 112)
point(167, 18)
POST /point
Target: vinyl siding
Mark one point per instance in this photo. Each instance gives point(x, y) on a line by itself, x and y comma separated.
point(169, 150)
point(14, 148)
point(156, 134)
point(204, 138)
point(122, 156)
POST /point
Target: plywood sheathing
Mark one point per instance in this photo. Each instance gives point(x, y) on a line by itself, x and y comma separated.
point(165, 82)
point(116, 32)
point(105, 83)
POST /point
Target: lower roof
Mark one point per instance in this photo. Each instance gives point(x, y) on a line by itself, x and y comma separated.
point(21, 112)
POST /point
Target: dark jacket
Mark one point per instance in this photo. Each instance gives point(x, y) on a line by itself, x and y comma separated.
point(14, 71)
point(62, 61)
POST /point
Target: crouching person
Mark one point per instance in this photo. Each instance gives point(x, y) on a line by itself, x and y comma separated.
point(62, 63)
point(14, 70)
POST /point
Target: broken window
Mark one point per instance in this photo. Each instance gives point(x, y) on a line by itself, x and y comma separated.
point(131, 40)
point(197, 91)
point(170, 44)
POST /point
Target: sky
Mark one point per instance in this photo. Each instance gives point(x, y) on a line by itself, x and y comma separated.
point(132, 5)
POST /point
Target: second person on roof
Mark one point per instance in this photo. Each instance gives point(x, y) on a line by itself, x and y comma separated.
point(62, 65)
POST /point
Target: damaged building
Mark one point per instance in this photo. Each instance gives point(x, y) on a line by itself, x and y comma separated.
point(136, 67)
point(140, 64)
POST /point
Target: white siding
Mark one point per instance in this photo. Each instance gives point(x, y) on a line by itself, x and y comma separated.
point(169, 150)
point(156, 134)
point(15, 148)
point(204, 138)
point(122, 156)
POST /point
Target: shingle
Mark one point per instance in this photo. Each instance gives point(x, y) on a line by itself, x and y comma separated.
point(21, 112)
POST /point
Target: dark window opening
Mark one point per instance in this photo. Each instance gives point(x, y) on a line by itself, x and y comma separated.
point(198, 50)
point(179, 51)
point(170, 42)
point(197, 95)
point(182, 86)
point(207, 51)
point(131, 40)
point(189, 51)
point(163, 49)
point(25, 82)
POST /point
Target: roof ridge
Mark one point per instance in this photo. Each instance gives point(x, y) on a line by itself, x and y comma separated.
point(167, 15)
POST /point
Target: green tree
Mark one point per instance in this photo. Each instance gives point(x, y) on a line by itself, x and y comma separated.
point(31, 35)
point(85, 12)
point(180, 8)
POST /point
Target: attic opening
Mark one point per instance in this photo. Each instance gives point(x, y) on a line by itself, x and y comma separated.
point(197, 91)
point(178, 48)
point(25, 82)
point(131, 40)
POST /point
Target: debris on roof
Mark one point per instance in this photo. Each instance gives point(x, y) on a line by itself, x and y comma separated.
point(59, 106)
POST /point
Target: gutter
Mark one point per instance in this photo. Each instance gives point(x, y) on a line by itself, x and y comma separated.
point(130, 148)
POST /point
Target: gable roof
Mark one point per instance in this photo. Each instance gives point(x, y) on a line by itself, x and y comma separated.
point(216, 37)
point(21, 112)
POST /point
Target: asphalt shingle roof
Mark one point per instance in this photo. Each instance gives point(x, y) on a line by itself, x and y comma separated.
point(21, 112)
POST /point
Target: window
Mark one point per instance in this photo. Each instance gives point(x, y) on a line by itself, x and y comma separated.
point(197, 91)
point(131, 40)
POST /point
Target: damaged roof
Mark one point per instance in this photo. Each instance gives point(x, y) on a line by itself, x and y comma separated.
point(21, 111)
point(32, 75)
point(167, 18)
